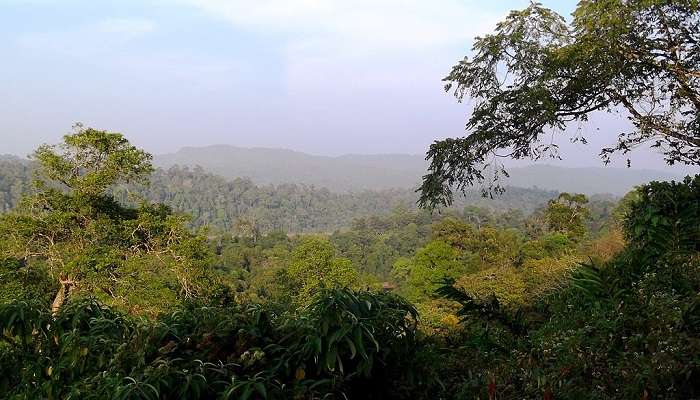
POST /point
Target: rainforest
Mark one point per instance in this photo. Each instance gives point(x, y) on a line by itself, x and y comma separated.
point(124, 278)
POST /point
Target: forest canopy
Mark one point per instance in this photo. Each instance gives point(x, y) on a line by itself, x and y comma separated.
point(110, 290)
point(103, 298)
point(241, 205)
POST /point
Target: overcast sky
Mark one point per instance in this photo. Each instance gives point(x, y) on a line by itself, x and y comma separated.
point(321, 76)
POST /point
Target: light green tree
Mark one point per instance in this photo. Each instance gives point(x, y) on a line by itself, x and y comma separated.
point(433, 263)
point(567, 214)
point(138, 258)
point(315, 266)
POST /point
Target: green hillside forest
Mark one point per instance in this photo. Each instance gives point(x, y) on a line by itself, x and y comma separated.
point(353, 173)
point(121, 278)
point(102, 298)
point(224, 205)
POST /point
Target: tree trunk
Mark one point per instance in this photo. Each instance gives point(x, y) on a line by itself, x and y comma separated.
point(62, 295)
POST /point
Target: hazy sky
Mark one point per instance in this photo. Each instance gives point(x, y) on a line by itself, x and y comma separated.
point(320, 76)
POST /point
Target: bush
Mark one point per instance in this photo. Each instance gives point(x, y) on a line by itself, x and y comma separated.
point(344, 342)
point(623, 328)
point(665, 217)
point(17, 282)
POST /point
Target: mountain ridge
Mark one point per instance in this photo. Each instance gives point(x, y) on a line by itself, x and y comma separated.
point(357, 172)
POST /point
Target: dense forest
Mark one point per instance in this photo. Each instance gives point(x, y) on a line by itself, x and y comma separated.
point(108, 299)
point(112, 288)
point(356, 173)
point(239, 204)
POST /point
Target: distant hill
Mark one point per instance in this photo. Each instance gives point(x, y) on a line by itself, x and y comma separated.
point(592, 180)
point(222, 203)
point(12, 157)
point(278, 166)
point(384, 171)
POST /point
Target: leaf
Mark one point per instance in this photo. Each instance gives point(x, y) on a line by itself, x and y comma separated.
point(316, 343)
point(260, 388)
point(351, 345)
point(247, 392)
point(331, 358)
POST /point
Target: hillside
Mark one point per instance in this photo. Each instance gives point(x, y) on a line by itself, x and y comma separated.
point(278, 166)
point(592, 180)
point(384, 171)
point(226, 203)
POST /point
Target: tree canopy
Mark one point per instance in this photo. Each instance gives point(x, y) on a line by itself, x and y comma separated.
point(537, 73)
point(567, 214)
point(88, 242)
point(549, 304)
point(103, 295)
point(90, 161)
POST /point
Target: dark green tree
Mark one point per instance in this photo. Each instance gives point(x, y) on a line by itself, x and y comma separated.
point(535, 74)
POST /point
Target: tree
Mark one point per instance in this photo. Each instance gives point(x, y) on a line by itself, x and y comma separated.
point(92, 244)
point(90, 161)
point(454, 232)
point(664, 218)
point(432, 263)
point(537, 73)
point(314, 266)
point(567, 214)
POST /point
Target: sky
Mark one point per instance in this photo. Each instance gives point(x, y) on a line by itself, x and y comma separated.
point(325, 77)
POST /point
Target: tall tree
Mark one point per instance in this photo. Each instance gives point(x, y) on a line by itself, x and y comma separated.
point(536, 73)
point(92, 244)
point(567, 214)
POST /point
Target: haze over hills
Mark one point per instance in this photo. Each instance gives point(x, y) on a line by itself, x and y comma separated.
point(213, 201)
point(590, 180)
point(383, 171)
point(277, 166)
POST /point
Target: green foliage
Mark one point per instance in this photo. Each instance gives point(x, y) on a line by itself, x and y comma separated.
point(15, 181)
point(504, 305)
point(314, 266)
point(548, 245)
point(90, 161)
point(142, 259)
point(431, 264)
point(664, 217)
point(567, 214)
point(622, 329)
point(89, 351)
point(537, 73)
point(486, 310)
point(19, 282)
point(240, 207)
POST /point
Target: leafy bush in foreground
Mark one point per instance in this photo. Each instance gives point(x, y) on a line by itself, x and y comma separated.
point(344, 342)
